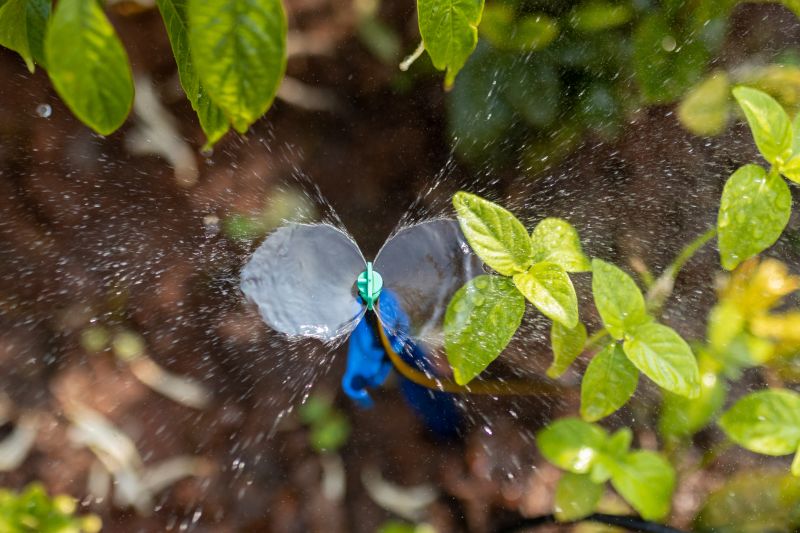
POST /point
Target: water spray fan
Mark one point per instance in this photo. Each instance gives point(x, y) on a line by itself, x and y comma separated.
point(311, 280)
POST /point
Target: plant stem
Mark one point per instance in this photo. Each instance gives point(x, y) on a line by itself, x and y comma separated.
point(595, 338)
point(663, 286)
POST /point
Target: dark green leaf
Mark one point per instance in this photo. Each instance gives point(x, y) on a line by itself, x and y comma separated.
point(212, 119)
point(766, 422)
point(617, 298)
point(572, 444)
point(754, 209)
point(548, 287)
point(496, 235)
point(449, 30)
point(609, 382)
point(663, 356)
point(239, 50)
point(567, 345)
point(646, 480)
point(88, 65)
point(22, 28)
point(479, 322)
point(576, 496)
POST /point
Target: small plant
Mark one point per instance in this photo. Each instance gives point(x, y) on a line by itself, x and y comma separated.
point(34, 511)
point(329, 427)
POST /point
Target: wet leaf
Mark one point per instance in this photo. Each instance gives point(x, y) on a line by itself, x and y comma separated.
point(791, 169)
point(479, 322)
point(609, 382)
point(617, 298)
point(754, 209)
point(577, 496)
point(548, 287)
point(556, 241)
point(567, 345)
point(239, 50)
point(572, 444)
point(683, 417)
point(646, 480)
point(596, 15)
point(22, 28)
point(663, 356)
point(88, 65)
point(212, 119)
point(755, 501)
point(766, 422)
point(505, 31)
point(768, 122)
point(706, 107)
point(496, 235)
point(449, 30)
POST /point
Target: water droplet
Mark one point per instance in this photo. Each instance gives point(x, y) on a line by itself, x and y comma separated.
point(44, 110)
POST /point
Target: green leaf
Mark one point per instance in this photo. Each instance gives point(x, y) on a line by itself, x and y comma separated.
point(666, 60)
point(556, 241)
point(496, 235)
point(754, 209)
point(239, 50)
point(449, 30)
point(527, 34)
point(88, 65)
point(663, 356)
point(609, 382)
point(766, 422)
point(617, 298)
point(22, 28)
point(646, 480)
point(706, 107)
point(331, 433)
point(791, 169)
point(796, 135)
point(619, 444)
point(596, 15)
point(548, 287)
point(768, 122)
point(577, 496)
point(212, 119)
point(479, 322)
point(572, 444)
point(683, 417)
point(567, 344)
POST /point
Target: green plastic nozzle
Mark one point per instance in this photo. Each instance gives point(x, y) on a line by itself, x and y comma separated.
point(369, 284)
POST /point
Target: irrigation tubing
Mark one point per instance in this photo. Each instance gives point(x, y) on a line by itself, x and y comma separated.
point(631, 523)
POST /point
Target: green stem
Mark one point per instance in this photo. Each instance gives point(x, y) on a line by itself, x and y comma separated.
point(595, 338)
point(663, 286)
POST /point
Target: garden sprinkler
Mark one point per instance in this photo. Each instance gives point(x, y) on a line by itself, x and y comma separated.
point(392, 310)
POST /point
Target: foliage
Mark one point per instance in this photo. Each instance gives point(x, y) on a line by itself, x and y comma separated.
point(329, 427)
point(32, 510)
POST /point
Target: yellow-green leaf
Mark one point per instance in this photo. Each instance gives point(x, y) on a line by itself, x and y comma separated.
point(22, 28)
point(609, 382)
point(88, 65)
point(646, 480)
point(556, 241)
point(766, 422)
point(449, 30)
point(663, 356)
point(572, 444)
point(548, 287)
point(706, 108)
point(617, 298)
point(479, 322)
point(576, 497)
point(505, 31)
point(768, 122)
point(567, 345)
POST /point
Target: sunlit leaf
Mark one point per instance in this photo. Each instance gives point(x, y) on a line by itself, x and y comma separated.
point(609, 382)
point(597, 15)
point(239, 51)
point(556, 241)
point(505, 31)
point(706, 107)
point(617, 298)
point(769, 123)
point(754, 209)
point(567, 345)
point(212, 119)
point(576, 496)
point(663, 356)
point(449, 30)
point(791, 169)
point(646, 480)
point(22, 28)
point(88, 65)
point(479, 322)
point(572, 444)
point(496, 235)
point(766, 422)
point(548, 287)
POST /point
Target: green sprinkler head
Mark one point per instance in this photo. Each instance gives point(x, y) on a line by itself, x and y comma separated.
point(369, 285)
